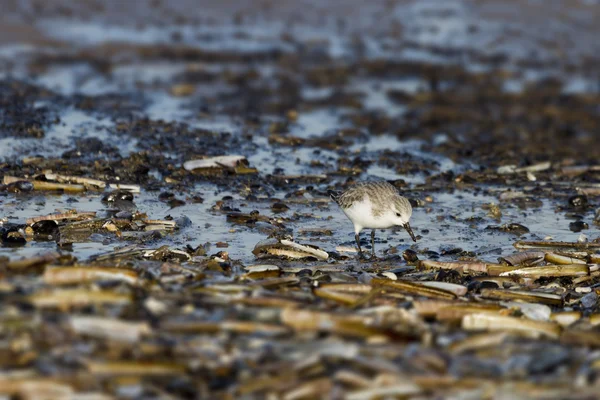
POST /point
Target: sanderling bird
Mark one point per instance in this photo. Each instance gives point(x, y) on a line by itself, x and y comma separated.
point(373, 205)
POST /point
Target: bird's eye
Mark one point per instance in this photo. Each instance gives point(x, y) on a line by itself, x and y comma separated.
point(397, 214)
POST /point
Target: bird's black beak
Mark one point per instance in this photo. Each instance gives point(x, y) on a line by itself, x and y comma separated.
point(410, 232)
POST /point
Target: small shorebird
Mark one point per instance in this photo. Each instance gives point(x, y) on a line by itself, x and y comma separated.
point(373, 205)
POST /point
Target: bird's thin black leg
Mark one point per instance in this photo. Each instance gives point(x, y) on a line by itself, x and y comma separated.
point(357, 238)
point(373, 243)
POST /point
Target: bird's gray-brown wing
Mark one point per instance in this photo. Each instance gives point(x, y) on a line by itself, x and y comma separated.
point(351, 196)
point(381, 194)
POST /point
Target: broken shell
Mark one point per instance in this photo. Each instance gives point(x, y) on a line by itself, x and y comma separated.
point(43, 185)
point(413, 288)
point(460, 266)
point(458, 290)
point(504, 323)
point(526, 258)
point(108, 328)
point(287, 248)
point(550, 245)
point(566, 318)
point(314, 321)
point(550, 271)
point(65, 298)
point(562, 259)
point(68, 216)
point(215, 162)
point(128, 188)
point(529, 296)
point(87, 182)
point(71, 275)
point(537, 312)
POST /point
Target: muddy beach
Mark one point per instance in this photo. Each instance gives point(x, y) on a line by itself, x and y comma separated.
point(165, 225)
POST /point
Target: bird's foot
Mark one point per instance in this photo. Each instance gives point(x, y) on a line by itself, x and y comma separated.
point(362, 257)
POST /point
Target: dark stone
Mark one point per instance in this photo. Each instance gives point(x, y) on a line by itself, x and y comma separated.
point(514, 228)
point(578, 201)
point(183, 222)
point(589, 300)
point(19, 187)
point(578, 226)
point(166, 197)
point(279, 207)
point(176, 203)
point(410, 256)
point(45, 229)
point(488, 285)
point(124, 215)
point(12, 237)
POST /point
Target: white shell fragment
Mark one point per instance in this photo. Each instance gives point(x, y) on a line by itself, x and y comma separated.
point(390, 275)
point(533, 311)
point(307, 249)
point(109, 328)
point(507, 169)
point(550, 270)
point(474, 322)
point(129, 188)
point(213, 162)
point(458, 290)
point(287, 249)
point(87, 182)
point(262, 268)
point(511, 169)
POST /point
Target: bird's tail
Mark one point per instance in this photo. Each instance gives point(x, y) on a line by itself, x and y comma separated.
point(335, 196)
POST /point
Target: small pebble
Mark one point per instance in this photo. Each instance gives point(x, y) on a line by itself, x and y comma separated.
point(166, 196)
point(410, 256)
point(124, 215)
point(279, 207)
point(183, 221)
point(589, 300)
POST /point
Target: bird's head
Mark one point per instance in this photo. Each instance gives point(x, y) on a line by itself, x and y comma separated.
point(401, 213)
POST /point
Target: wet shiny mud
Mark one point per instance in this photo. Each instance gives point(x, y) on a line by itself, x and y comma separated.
point(166, 230)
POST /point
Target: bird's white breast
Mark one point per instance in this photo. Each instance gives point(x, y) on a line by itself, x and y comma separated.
point(361, 215)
